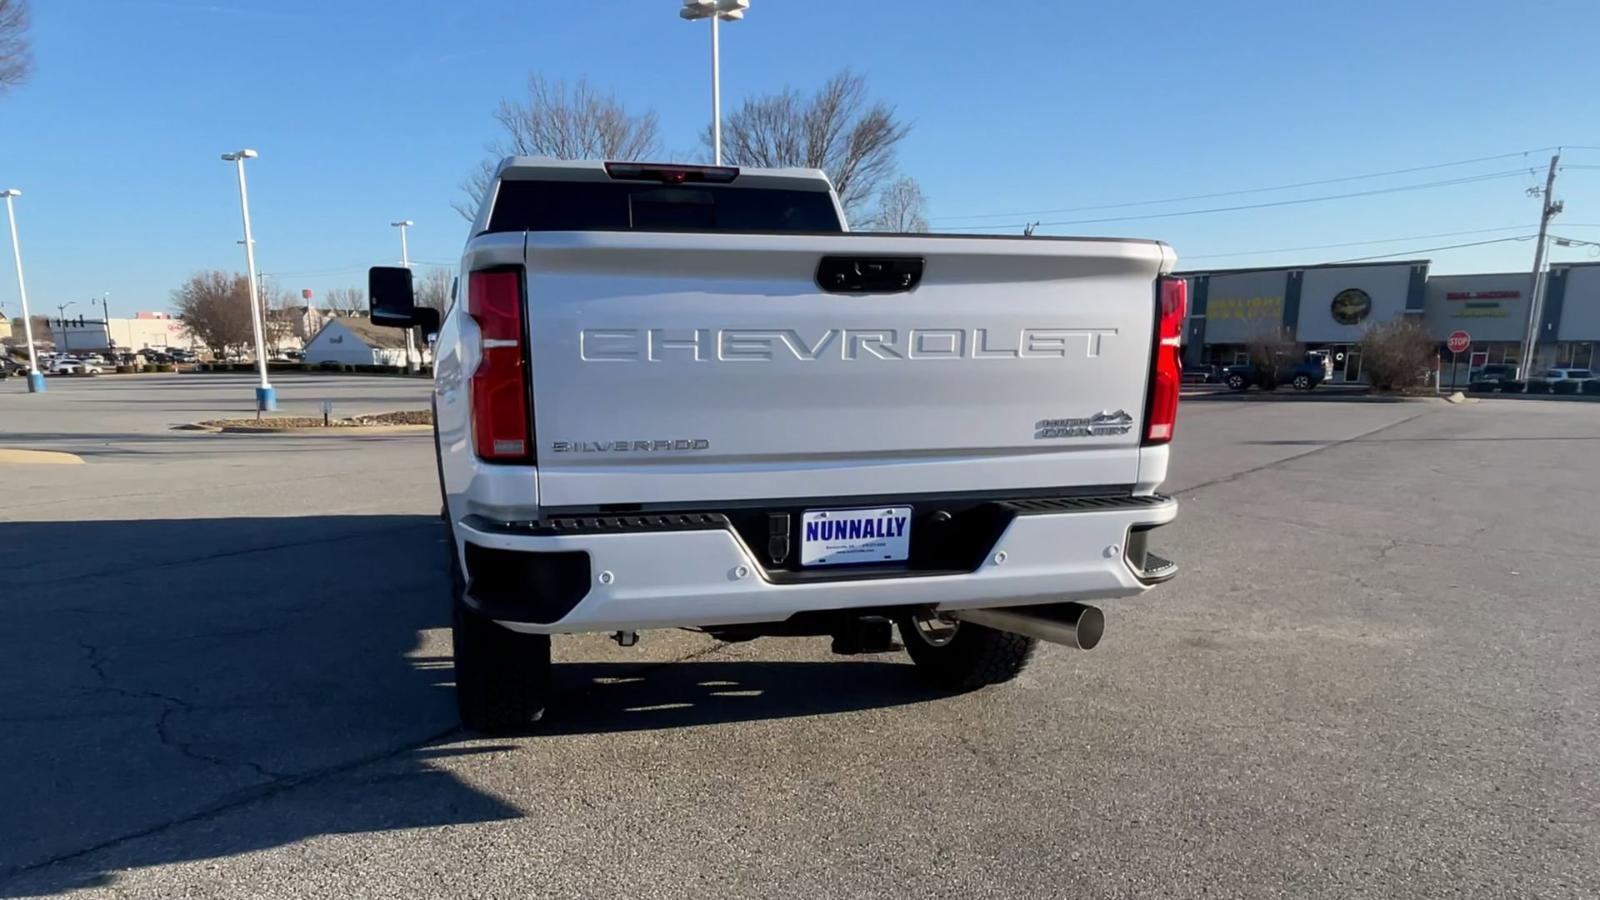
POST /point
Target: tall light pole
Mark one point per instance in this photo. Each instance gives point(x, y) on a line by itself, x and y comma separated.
point(35, 377)
point(266, 397)
point(405, 260)
point(715, 10)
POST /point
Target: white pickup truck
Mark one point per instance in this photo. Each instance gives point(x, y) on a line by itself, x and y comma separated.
point(685, 396)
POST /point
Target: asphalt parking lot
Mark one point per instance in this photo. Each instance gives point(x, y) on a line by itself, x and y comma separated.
point(225, 670)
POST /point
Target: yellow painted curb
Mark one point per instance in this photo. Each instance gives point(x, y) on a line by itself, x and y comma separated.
point(40, 457)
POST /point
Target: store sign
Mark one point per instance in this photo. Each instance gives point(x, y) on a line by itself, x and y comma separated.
point(1481, 304)
point(1351, 306)
point(1244, 308)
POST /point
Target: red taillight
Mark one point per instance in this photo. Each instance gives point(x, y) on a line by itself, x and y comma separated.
point(499, 387)
point(1166, 368)
point(625, 171)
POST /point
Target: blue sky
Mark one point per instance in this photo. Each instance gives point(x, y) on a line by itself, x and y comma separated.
point(366, 111)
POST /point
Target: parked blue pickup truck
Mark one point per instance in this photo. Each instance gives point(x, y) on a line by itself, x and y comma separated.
point(1304, 375)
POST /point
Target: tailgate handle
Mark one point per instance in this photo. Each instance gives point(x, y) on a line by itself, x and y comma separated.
point(869, 274)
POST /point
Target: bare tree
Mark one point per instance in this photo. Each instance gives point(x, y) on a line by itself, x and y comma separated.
point(837, 130)
point(433, 288)
point(562, 122)
point(1273, 354)
point(215, 308)
point(16, 61)
point(1398, 355)
point(347, 301)
point(280, 308)
point(901, 208)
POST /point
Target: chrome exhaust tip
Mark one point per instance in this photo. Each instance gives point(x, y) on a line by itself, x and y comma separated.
point(1068, 624)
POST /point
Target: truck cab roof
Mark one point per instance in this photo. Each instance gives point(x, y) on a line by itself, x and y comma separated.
point(539, 168)
point(540, 193)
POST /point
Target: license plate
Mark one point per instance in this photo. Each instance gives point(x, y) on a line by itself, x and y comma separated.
point(831, 537)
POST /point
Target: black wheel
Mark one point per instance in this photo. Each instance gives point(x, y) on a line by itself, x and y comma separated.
point(961, 656)
point(1303, 383)
point(1237, 383)
point(502, 676)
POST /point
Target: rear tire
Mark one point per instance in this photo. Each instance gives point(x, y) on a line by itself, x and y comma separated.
point(967, 657)
point(502, 676)
point(1303, 383)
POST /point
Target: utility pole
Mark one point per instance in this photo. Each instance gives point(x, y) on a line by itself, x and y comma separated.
point(1551, 208)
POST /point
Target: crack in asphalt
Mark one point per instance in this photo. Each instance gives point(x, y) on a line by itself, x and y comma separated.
point(170, 706)
point(284, 783)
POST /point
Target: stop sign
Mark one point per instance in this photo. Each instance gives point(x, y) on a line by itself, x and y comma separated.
point(1458, 341)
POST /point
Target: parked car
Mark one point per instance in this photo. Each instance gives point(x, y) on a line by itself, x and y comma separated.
point(1202, 374)
point(66, 366)
point(1494, 377)
point(1304, 376)
point(1563, 380)
point(10, 367)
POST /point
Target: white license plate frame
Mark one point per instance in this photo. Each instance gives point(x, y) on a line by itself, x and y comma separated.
point(883, 536)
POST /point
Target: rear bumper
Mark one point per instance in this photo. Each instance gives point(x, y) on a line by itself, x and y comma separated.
point(709, 576)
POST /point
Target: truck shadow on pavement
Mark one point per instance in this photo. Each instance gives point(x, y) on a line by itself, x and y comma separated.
point(188, 689)
point(597, 698)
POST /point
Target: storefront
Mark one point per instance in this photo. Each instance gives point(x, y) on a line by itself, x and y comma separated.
point(1492, 309)
point(1572, 309)
point(1337, 303)
point(1327, 309)
point(1230, 309)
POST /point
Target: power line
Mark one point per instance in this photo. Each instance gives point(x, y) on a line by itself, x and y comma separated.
point(1258, 190)
point(1524, 237)
point(1394, 240)
point(1470, 179)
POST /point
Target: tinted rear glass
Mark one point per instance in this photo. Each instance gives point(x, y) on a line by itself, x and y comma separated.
point(650, 206)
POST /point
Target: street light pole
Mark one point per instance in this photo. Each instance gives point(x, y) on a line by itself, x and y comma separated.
point(266, 397)
point(35, 377)
point(715, 10)
point(716, 95)
point(405, 260)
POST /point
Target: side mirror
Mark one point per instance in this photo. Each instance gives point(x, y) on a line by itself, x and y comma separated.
point(390, 297)
point(393, 302)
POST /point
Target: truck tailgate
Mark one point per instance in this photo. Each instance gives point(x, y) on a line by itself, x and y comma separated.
point(679, 367)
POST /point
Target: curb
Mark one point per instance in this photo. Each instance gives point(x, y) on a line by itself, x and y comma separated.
point(322, 430)
point(40, 457)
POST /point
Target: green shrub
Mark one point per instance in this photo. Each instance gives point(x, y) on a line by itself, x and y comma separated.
point(126, 369)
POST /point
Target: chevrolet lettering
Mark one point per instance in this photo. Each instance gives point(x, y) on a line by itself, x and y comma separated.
point(676, 396)
point(769, 344)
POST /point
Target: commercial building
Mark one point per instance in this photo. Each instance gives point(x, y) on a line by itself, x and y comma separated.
point(1327, 308)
